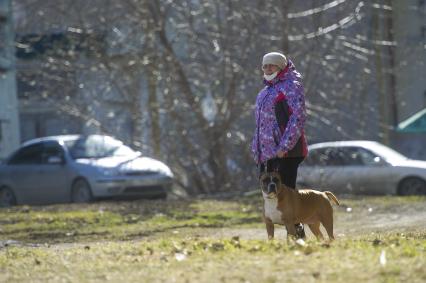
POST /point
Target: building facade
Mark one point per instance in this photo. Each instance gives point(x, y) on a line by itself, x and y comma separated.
point(9, 121)
point(409, 32)
point(409, 28)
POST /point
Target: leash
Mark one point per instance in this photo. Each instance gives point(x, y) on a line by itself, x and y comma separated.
point(265, 166)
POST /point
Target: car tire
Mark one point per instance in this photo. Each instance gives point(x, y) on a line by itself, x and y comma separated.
point(412, 186)
point(162, 196)
point(81, 192)
point(7, 197)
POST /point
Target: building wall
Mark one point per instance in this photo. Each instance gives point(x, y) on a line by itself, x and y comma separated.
point(410, 144)
point(40, 119)
point(9, 122)
point(409, 30)
point(410, 56)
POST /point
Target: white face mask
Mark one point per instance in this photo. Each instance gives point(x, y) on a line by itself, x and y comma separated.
point(271, 76)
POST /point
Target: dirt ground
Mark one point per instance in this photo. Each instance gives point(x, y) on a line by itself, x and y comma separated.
point(365, 217)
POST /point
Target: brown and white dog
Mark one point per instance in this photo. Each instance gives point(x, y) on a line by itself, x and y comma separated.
point(287, 206)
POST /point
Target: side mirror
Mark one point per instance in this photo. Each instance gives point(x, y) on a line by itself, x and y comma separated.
point(378, 161)
point(55, 160)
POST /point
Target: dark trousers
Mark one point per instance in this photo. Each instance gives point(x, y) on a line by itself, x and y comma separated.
point(287, 167)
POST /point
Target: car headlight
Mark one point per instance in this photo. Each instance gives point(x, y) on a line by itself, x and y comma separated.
point(164, 169)
point(168, 172)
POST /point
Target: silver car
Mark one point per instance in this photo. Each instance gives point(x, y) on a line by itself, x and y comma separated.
point(361, 167)
point(74, 168)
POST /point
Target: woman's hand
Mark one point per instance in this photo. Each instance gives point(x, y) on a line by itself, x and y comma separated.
point(281, 154)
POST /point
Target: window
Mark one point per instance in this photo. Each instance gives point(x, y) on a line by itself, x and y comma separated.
point(31, 154)
point(349, 156)
point(337, 157)
point(341, 156)
point(97, 147)
point(368, 157)
point(319, 157)
point(52, 149)
point(359, 156)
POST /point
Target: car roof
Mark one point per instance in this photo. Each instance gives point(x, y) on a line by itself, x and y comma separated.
point(381, 150)
point(51, 138)
point(62, 138)
point(358, 143)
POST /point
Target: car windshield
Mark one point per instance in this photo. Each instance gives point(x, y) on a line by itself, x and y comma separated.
point(97, 147)
point(388, 153)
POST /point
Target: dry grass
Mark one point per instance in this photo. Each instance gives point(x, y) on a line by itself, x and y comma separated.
point(208, 241)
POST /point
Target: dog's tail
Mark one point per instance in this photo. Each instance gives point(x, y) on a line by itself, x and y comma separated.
point(332, 197)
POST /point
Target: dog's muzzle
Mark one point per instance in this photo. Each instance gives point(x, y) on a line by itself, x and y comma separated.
point(272, 188)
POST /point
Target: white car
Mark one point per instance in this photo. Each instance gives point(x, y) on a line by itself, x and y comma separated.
point(75, 168)
point(361, 167)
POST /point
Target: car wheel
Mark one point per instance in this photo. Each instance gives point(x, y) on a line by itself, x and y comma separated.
point(160, 196)
point(412, 186)
point(7, 197)
point(81, 192)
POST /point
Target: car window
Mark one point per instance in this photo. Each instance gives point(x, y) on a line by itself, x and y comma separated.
point(332, 157)
point(31, 154)
point(97, 147)
point(312, 158)
point(358, 156)
point(368, 157)
point(51, 149)
point(338, 156)
point(318, 157)
point(388, 153)
point(349, 156)
point(342, 156)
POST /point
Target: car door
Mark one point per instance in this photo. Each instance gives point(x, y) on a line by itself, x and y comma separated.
point(23, 173)
point(365, 172)
point(322, 170)
point(336, 176)
point(54, 174)
point(34, 178)
point(375, 173)
point(352, 170)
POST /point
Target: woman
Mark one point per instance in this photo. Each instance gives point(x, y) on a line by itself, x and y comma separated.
point(279, 142)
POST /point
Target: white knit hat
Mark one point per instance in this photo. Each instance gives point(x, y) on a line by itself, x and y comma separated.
point(275, 58)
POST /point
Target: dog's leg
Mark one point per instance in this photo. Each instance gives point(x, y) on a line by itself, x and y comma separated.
point(291, 230)
point(315, 228)
point(327, 222)
point(269, 228)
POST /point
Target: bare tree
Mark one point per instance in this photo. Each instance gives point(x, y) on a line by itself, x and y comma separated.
point(186, 73)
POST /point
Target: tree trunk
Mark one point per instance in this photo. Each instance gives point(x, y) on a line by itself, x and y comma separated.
point(154, 111)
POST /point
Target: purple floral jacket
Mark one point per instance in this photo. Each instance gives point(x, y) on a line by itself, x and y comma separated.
point(273, 134)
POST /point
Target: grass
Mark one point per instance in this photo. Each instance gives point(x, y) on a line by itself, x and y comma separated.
point(192, 259)
point(177, 241)
point(120, 220)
